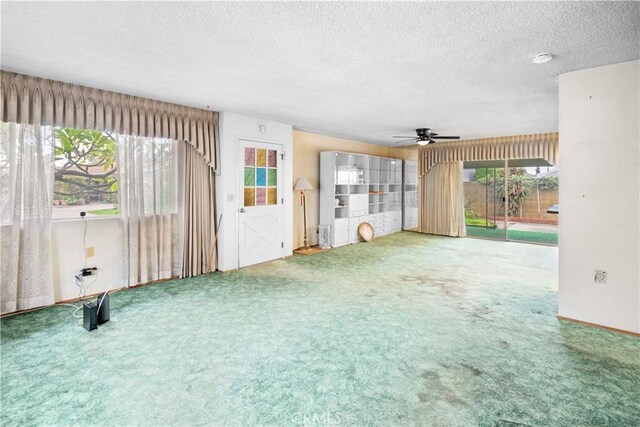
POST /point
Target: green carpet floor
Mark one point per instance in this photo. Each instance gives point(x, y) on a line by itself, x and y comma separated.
point(406, 330)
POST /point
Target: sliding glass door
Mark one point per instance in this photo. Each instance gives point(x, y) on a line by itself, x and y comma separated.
point(532, 194)
point(484, 216)
point(513, 200)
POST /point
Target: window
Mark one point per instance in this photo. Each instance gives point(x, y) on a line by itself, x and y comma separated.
point(85, 174)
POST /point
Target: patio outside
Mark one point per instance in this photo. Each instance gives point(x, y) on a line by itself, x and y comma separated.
point(532, 192)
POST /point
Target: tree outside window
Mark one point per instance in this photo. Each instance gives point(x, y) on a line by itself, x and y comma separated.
point(85, 174)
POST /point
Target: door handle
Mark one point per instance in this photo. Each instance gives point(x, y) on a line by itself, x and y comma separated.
point(242, 210)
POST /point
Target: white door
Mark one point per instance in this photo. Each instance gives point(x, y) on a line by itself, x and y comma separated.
point(260, 203)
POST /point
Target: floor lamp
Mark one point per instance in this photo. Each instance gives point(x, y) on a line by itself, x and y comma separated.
point(302, 185)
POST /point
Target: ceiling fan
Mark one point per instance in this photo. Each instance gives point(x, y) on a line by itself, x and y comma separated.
point(425, 136)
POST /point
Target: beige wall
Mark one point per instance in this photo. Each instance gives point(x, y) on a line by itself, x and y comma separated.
point(306, 163)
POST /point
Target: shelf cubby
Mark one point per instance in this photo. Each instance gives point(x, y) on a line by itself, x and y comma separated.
point(342, 189)
point(358, 189)
point(341, 212)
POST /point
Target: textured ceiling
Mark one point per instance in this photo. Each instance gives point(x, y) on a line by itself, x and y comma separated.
point(364, 71)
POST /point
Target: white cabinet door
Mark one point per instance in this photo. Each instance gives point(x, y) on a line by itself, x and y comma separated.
point(341, 232)
point(354, 236)
point(358, 204)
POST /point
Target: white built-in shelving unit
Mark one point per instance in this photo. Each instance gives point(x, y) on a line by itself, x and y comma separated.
point(410, 195)
point(357, 188)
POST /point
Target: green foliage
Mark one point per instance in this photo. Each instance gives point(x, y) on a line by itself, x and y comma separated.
point(480, 222)
point(85, 167)
point(112, 211)
point(471, 218)
point(547, 182)
point(484, 175)
point(520, 185)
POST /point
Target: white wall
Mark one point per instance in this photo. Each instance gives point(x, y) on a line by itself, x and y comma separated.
point(68, 255)
point(600, 195)
point(232, 128)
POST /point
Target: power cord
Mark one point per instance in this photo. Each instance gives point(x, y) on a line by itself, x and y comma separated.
point(84, 239)
point(79, 278)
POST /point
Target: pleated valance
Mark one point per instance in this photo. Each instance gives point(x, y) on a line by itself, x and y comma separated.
point(33, 100)
point(534, 146)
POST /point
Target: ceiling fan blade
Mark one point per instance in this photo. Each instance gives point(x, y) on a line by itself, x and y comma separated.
point(412, 137)
point(405, 140)
point(445, 137)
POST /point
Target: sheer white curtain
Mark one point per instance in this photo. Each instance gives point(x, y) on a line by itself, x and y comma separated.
point(148, 182)
point(441, 205)
point(26, 189)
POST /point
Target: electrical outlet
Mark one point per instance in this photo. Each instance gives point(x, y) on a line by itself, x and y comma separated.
point(91, 251)
point(89, 271)
point(600, 276)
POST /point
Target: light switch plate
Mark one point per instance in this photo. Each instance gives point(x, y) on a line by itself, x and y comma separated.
point(229, 197)
point(91, 251)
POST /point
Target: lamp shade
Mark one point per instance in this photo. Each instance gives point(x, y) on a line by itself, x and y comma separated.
point(302, 184)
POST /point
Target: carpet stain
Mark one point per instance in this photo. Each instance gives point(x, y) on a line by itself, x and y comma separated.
point(438, 391)
point(406, 330)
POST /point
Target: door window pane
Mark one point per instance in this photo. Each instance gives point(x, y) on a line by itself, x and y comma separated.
point(249, 177)
point(249, 196)
point(272, 196)
point(261, 177)
point(261, 157)
point(261, 196)
point(249, 157)
point(273, 177)
point(273, 160)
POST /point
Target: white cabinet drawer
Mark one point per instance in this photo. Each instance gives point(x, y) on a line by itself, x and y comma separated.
point(395, 215)
point(375, 217)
